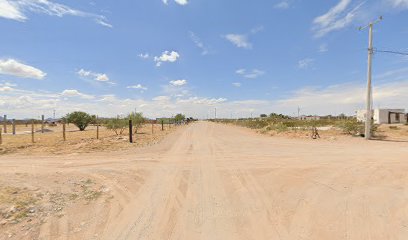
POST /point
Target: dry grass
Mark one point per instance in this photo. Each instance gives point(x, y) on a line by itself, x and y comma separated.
point(51, 141)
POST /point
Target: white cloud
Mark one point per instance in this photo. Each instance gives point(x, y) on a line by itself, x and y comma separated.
point(11, 11)
point(138, 86)
point(75, 93)
point(15, 10)
point(282, 5)
point(178, 83)
point(346, 98)
point(239, 40)
point(202, 101)
point(167, 56)
point(255, 73)
point(180, 2)
point(389, 91)
point(305, 63)
point(236, 84)
point(338, 17)
point(6, 89)
point(100, 77)
point(242, 40)
point(161, 98)
point(144, 56)
point(18, 69)
point(197, 41)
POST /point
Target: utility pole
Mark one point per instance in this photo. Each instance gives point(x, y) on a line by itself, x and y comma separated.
point(54, 115)
point(298, 113)
point(215, 113)
point(369, 76)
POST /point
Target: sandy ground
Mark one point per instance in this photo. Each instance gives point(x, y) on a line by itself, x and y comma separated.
point(211, 181)
point(51, 141)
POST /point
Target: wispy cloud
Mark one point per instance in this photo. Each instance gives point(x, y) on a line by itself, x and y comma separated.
point(237, 84)
point(251, 74)
point(197, 41)
point(144, 56)
point(338, 17)
point(99, 77)
point(306, 63)
point(242, 40)
point(323, 48)
point(138, 86)
point(15, 10)
point(15, 68)
point(282, 5)
point(239, 40)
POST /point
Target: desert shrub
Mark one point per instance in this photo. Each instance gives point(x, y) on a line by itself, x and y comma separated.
point(80, 119)
point(352, 127)
point(117, 125)
point(254, 124)
point(179, 117)
point(394, 127)
point(137, 120)
point(279, 127)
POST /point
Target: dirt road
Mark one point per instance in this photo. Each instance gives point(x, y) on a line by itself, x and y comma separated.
point(209, 181)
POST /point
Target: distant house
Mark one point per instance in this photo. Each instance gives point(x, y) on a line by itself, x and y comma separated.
point(384, 116)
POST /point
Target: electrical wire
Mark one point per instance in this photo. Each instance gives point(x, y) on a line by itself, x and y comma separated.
point(392, 52)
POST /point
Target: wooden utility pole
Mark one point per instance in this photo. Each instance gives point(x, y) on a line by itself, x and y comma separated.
point(14, 126)
point(42, 123)
point(63, 131)
point(130, 131)
point(32, 131)
point(5, 123)
point(97, 128)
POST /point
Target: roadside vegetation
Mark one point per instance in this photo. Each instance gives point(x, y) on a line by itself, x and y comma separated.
point(279, 123)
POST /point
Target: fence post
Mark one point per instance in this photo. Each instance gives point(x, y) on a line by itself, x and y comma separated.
point(32, 131)
point(14, 126)
point(5, 123)
point(1, 138)
point(97, 128)
point(162, 122)
point(130, 131)
point(42, 123)
point(63, 131)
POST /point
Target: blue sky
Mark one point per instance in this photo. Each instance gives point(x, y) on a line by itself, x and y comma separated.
point(164, 57)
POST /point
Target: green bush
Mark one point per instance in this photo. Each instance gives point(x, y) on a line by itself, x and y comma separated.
point(354, 127)
point(117, 125)
point(137, 120)
point(179, 117)
point(80, 119)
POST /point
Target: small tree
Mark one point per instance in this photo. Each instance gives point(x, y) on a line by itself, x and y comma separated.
point(80, 119)
point(137, 120)
point(117, 125)
point(263, 115)
point(179, 117)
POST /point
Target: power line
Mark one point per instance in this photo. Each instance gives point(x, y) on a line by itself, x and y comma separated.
point(392, 52)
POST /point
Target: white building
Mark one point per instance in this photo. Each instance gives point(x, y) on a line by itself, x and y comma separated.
point(384, 116)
